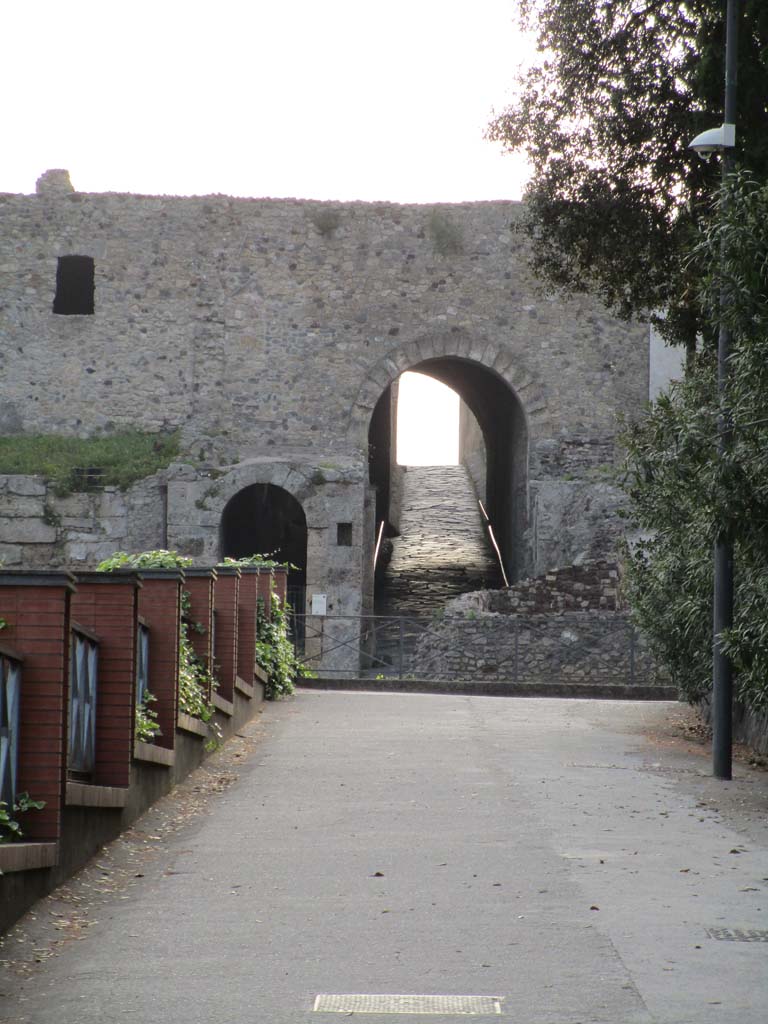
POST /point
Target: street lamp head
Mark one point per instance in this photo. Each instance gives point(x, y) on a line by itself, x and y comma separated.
point(714, 141)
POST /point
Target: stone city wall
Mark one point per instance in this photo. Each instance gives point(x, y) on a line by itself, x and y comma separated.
point(265, 331)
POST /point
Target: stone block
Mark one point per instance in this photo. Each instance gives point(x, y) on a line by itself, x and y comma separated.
point(14, 506)
point(30, 486)
point(27, 531)
point(112, 504)
point(74, 505)
point(11, 555)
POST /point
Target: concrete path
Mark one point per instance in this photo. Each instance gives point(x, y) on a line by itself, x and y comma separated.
point(544, 852)
point(442, 551)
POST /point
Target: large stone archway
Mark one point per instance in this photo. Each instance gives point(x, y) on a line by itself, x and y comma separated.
point(504, 400)
point(457, 344)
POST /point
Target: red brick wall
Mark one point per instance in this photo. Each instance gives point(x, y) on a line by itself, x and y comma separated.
point(265, 591)
point(108, 607)
point(246, 625)
point(38, 629)
point(159, 606)
point(200, 586)
point(226, 597)
point(280, 577)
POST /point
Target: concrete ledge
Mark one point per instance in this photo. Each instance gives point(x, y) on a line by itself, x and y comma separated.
point(498, 688)
point(226, 707)
point(242, 687)
point(189, 724)
point(260, 674)
point(28, 856)
point(154, 755)
point(82, 794)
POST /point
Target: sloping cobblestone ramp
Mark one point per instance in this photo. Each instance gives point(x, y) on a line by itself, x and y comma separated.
point(442, 550)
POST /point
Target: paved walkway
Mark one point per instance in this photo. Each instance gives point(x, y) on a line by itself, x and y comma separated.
point(442, 551)
point(543, 852)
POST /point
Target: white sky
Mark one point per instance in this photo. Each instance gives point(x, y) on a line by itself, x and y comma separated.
point(325, 99)
point(427, 422)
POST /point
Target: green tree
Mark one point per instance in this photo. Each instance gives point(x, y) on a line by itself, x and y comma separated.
point(682, 492)
point(605, 115)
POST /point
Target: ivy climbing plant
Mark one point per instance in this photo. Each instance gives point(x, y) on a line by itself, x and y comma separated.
point(195, 682)
point(147, 727)
point(10, 828)
point(275, 652)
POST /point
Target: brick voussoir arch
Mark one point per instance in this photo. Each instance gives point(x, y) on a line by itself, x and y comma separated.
point(459, 345)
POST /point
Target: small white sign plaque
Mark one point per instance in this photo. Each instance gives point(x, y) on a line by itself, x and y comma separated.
point(319, 604)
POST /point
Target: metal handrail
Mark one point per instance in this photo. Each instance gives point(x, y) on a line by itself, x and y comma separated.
point(378, 543)
point(493, 542)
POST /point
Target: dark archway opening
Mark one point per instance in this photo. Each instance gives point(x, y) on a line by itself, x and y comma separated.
point(266, 520)
point(493, 447)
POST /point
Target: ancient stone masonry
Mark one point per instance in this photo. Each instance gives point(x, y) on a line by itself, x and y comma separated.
point(590, 586)
point(266, 332)
point(567, 626)
point(571, 647)
point(39, 528)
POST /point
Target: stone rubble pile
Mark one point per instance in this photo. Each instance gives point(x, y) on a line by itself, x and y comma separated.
point(589, 586)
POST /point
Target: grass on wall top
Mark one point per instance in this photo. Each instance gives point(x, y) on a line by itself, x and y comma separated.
point(82, 463)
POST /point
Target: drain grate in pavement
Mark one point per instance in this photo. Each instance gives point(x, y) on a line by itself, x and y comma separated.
point(738, 934)
point(458, 1005)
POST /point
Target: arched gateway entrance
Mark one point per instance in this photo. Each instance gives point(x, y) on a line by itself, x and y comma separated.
point(493, 445)
point(266, 519)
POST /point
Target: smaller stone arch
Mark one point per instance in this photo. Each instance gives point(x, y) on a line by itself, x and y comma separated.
point(197, 508)
point(265, 519)
point(299, 481)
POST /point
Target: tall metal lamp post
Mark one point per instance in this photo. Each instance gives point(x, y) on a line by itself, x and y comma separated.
point(722, 140)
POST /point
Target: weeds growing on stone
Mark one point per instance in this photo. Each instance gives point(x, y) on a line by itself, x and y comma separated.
point(83, 463)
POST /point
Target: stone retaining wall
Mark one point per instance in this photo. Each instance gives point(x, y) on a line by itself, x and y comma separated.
point(39, 528)
point(579, 647)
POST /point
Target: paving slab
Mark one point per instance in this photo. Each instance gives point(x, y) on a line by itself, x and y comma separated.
point(565, 860)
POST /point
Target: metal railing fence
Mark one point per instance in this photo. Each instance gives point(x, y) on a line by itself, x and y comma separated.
point(514, 648)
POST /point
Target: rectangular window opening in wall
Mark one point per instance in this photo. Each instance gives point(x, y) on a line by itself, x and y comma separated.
point(83, 688)
point(344, 535)
point(74, 286)
point(10, 703)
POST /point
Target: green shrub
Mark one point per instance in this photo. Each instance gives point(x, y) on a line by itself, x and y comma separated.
point(10, 829)
point(146, 729)
point(685, 492)
point(275, 652)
